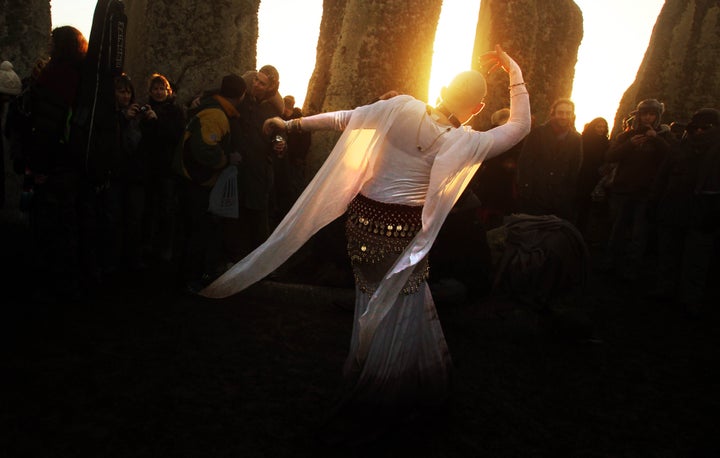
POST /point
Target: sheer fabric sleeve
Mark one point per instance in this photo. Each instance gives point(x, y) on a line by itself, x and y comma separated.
point(518, 126)
point(333, 120)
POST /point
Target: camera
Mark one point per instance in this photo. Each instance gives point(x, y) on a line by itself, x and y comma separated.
point(143, 109)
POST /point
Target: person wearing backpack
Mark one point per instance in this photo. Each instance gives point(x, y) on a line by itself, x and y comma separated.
point(205, 150)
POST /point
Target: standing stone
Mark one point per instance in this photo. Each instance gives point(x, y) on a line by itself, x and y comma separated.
point(24, 33)
point(367, 48)
point(680, 65)
point(193, 43)
point(330, 27)
point(543, 37)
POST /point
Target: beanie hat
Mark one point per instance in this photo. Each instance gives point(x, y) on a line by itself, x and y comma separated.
point(704, 117)
point(232, 86)
point(651, 105)
point(9, 81)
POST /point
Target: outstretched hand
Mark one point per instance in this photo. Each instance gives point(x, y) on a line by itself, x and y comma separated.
point(495, 59)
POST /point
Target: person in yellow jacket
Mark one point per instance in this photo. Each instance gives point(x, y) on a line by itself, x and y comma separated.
point(205, 151)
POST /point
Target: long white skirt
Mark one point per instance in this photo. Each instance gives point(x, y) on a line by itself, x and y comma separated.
point(408, 362)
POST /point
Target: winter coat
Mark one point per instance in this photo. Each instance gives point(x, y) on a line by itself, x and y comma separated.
point(548, 168)
point(162, 136)
point(687, 190)
point(638, 165)
point(255, 177)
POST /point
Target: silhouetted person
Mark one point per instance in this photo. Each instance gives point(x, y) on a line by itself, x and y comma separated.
point(638, 152)
point(56, 171)
point(688, 213)
point(549, 163)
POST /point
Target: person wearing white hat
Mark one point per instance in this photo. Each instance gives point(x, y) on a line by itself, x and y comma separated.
point(10, 83)
point(10, 86)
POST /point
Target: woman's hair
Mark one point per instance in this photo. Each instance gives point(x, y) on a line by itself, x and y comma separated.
point(68, 44)
point(590, 127)
point(157, 78)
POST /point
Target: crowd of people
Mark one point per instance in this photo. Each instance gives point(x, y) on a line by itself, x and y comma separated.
point(217, 189)
point(137, 193)
point(143, 193)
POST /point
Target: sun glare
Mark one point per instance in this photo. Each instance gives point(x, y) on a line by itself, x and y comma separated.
point(607, 67)
point(289, 30)
point(454, 41)
point(298, 24)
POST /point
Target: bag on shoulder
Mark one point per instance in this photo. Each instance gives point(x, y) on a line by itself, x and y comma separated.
point(224, 194)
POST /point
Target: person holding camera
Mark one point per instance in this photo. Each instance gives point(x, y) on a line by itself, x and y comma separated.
point(639, 152)
point(121, 199)
point(158, 146)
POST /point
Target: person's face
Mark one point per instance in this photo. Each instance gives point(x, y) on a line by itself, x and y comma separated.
point(701, 129)
point(159, 92)
point(123, 96)
point(648, 118)
point(564, 115)
point(261, 85)
point(601, 128)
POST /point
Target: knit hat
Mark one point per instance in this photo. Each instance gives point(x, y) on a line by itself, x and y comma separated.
point(9, 81)
point(704, 118)
point(232, 86)
point(651, 105)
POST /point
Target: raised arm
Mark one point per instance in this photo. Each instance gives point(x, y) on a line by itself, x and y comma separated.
point(518, 125)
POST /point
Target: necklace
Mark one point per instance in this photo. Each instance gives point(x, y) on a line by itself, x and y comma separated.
point(417, 135)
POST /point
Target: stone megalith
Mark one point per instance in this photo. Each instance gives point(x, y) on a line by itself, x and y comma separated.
point(194, 44)
point(330, 27)
point(680, 65)
point(365, 49)
point(543, 37)
point(24, 33)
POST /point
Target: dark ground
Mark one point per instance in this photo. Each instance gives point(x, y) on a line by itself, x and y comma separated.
point(144, 371)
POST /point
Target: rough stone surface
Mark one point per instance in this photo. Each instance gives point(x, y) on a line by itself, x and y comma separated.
point(367, 48)
point(193, 43)
point(330, 28)
point(24, 33)
point(680, 65)
point(543, 40)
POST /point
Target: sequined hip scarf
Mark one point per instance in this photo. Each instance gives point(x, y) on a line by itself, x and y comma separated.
point(377, 233)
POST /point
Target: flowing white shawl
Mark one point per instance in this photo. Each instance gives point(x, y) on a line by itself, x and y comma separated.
point(339, 180)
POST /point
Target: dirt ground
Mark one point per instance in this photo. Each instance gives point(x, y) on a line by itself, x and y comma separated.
point(142, 370)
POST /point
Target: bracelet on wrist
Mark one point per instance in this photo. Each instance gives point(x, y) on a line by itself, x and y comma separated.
point(293, 125)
